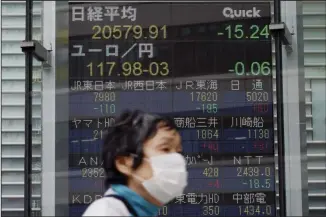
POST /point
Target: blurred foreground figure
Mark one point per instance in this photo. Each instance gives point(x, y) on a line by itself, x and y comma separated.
point(143, 164)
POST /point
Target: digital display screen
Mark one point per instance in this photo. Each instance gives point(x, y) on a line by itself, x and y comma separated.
point(207, 65)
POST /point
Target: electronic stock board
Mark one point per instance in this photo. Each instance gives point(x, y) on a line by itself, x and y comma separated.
point(207, 65)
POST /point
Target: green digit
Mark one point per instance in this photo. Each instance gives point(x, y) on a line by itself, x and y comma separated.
point(265, 32)
point(228, 29)
point(255, 65)
point(239, 68)
point(265, 68)
point(255, 29)
point(238, 32)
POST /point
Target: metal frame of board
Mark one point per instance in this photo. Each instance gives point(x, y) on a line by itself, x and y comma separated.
point(54, 199)
point(48, 114)
point(1, 105)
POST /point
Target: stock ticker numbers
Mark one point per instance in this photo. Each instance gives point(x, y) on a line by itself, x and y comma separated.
point(206, 65)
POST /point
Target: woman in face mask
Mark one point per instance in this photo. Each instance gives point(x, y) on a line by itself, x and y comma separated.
point(143, 164)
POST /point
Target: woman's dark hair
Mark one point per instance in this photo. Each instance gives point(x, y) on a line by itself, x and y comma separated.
point(126, 138)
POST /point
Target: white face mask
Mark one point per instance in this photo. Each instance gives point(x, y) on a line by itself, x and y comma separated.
point(170, 177)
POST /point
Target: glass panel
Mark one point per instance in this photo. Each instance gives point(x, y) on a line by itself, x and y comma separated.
point(37, 140)
point(37, 114)
point(218, 88)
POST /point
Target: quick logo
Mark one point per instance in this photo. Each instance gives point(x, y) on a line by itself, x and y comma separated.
point(232, 13)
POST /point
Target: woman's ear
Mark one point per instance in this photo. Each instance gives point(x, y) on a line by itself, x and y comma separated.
point(124, 164)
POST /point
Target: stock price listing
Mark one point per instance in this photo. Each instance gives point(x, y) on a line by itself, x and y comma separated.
point(206, 65)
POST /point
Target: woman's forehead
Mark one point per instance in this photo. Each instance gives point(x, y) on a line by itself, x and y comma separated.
point(165, 135)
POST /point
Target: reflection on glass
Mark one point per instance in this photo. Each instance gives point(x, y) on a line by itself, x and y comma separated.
point(36, 138)
point(37, 21)
point(211, 73)
point(12, 107)
point(36, 114)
